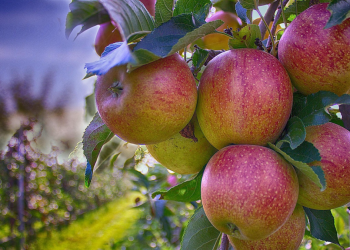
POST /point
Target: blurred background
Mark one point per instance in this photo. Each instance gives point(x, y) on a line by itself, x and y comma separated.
point(44, 203)
point(42, 71)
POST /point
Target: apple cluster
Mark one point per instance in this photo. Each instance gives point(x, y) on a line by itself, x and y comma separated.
point(243, 101)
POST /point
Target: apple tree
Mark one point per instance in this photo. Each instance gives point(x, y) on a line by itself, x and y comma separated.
point(261, 121)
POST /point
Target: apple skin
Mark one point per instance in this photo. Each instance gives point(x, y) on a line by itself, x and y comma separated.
point(219, 41)
point(288, 237)
point(248, 191)
point(151, 104)
point(316, 58)
point(244, 97)
point(184, 155)
point(106, 35)
point(333, 143)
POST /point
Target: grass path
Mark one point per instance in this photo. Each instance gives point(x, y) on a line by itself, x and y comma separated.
point(95, 230)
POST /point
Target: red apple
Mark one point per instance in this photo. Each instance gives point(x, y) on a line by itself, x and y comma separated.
point(248, 191)
point(288, 237)
point(150, 104)
point(333, 143)
point(219, 41)
point(184, 155)
point(106, 35)
point(316, 58)
point(245, 97)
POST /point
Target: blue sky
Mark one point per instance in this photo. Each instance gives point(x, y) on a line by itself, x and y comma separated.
point(33, 42)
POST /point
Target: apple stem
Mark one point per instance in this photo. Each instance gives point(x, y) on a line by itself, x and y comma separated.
point(268, 18)
point(283, 15)
point(225, 244)
point(233, 228)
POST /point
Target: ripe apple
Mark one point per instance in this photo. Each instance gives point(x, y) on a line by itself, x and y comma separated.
point(151, 103)
point(106, 35)
point(219, 41)
point(333, 143)
point(244, 97)
point(316, 58)
point(184, 155)
point(288, 237)
point(248, 191)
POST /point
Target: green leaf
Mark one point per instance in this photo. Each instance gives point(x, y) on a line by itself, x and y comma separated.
point(200, 8)
point(90, 105)
point(322, 225)
point(164, 11)
point(290, 13)
point(143, 57)
point(106, 153)
point(129, 163)
point(303, 167)
point(315, 110)
point(88, 174)
point(296, 132)
point(200, 234)
point(176, 34)
point(247, 4)
point(132, 17)
point(198, 59)
point(185, 192)
point(245, 38)
point(299, 102)
point(95, 136)
point(113, 159)
point(114, 55)
point(306, 152)
point(86, 13)
point(340, 10)
point(242, 13)
point(141, 179)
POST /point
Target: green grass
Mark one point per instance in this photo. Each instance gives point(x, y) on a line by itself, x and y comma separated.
point(95, 230)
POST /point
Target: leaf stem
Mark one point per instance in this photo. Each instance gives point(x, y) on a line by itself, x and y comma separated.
point(283, 16)
point(223, 33)
point(268, 29)
point(268, 17)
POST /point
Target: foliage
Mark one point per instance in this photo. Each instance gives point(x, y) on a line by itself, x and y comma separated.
point(174, 28)
point(54, 192)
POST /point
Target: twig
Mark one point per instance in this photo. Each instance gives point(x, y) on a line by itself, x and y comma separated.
point(225, 244)
point(274, 25)
point(268, 17)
